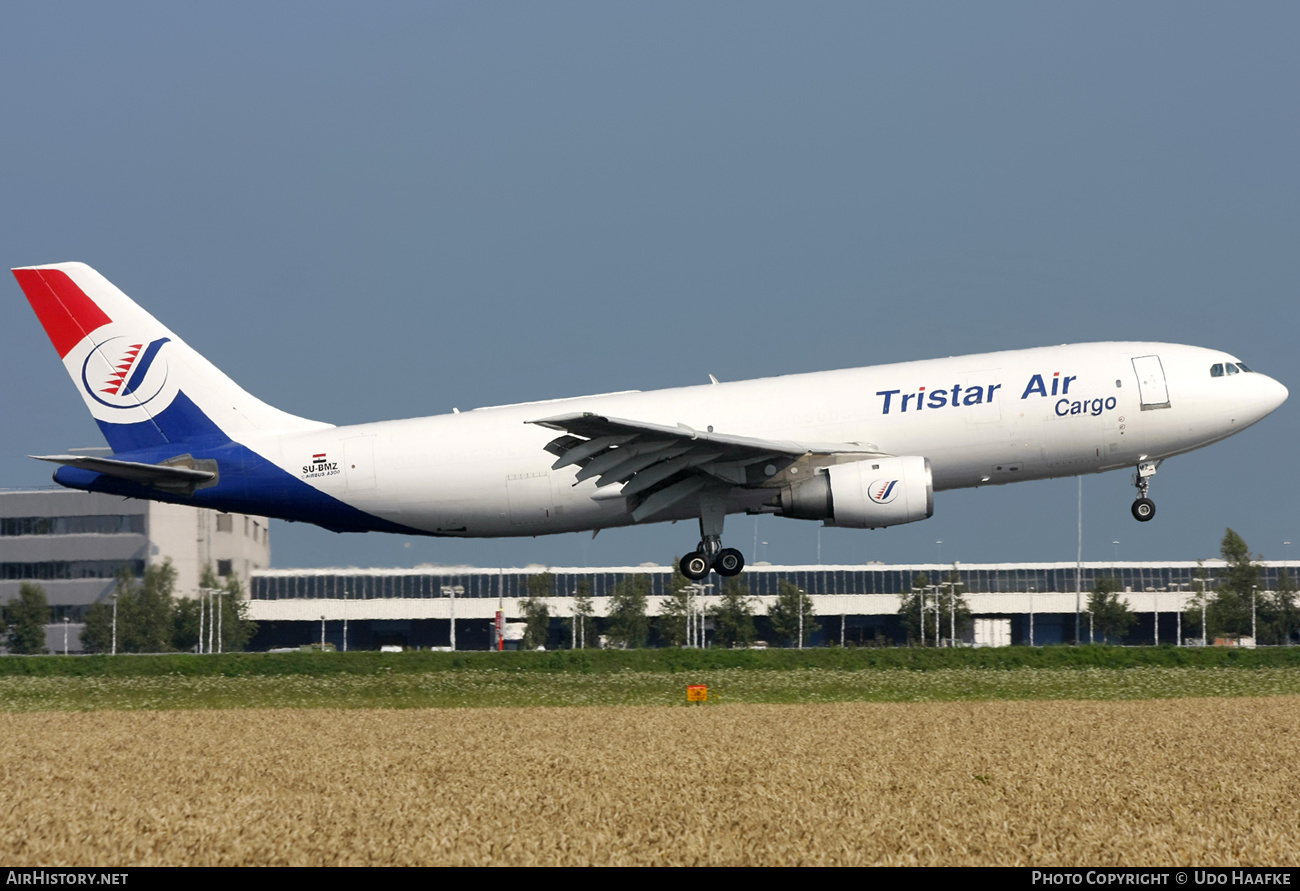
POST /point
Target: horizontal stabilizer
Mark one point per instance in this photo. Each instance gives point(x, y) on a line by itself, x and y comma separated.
point(163, 476)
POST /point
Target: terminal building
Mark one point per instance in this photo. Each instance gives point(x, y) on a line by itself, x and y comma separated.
point(74, 543)
point(1011, 603)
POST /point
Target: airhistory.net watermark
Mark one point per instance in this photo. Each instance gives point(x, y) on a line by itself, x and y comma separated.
point(63, 877)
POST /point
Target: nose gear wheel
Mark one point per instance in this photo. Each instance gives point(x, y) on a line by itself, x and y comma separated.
point(1144, 508)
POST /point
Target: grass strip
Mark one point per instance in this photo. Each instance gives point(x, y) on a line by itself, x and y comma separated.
point(473, 688)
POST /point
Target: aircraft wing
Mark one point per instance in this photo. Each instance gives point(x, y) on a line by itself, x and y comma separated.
point(658, 466)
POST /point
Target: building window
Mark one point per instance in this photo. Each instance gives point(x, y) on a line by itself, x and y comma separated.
point(223, 568)
point(132, 524)
point(225, 523)
point(59, 570)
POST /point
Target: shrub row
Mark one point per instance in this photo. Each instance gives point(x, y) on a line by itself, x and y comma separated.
point(663, 660)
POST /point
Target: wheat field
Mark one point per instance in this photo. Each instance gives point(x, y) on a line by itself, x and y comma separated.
point(1183, 781)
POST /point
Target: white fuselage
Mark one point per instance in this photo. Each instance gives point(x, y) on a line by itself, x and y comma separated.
point(983, 419)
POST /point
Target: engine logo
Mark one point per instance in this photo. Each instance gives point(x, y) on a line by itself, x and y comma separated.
point(882, 491)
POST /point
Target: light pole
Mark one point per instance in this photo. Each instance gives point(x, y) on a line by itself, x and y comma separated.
point(695, 615)
point(1155, 609)
point(114, 652)
point(1031, 616)
point(952, 611)
point(800, 619)
point(935, 589)
point(1204, 597)
point(451, 591)
point(921, 598)
point(1178, 628)
point(691, 593)
point(65, 635)
point(1254, 589)
point(700, 631)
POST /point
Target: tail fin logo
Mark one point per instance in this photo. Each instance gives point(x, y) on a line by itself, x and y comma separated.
point(883, 491)
point(123, 373)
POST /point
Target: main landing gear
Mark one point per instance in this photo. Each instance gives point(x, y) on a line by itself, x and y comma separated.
point(725, 561)
point(1144, 508)
point(709, 553)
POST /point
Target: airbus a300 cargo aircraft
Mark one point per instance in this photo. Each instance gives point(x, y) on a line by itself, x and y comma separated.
point(859, 448)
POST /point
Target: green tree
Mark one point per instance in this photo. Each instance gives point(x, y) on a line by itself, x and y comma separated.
point(670, 624)
point(1199, 601)
point(146, 620)
point(225, 615)
point(26, 617)
point(785, 614)
point(1283, 611)
point(97, 636)
point(185, 624)
point(953, 608)
point(628, 627)
point(581, 626)
point(909, 611)
point(537, 614)
point(1111, 616)
point(1229, 608)
point(236, 628)
point(153, 623)
point(733, 617)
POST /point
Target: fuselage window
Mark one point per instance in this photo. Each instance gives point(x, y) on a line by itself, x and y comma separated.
point(1216, 370)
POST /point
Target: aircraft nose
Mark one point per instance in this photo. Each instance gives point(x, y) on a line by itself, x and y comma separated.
point(1269, 394)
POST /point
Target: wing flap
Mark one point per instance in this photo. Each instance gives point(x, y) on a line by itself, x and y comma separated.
point(660, 466)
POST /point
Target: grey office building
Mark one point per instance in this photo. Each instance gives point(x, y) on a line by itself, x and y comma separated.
point(73, 543)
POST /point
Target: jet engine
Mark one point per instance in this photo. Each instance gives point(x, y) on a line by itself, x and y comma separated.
point(865, 494)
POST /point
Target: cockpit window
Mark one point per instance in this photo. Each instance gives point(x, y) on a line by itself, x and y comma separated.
point(1232, 369)
point(1216, 370)
point(1242, 366)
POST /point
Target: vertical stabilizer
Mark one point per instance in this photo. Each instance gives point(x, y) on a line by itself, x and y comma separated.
point(144, 385)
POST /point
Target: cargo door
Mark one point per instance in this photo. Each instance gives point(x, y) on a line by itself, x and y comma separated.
point(359, 463)
point(529, 496)
point(1151, 382)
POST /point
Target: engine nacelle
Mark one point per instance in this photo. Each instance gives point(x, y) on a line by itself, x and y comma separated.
point(864, 494)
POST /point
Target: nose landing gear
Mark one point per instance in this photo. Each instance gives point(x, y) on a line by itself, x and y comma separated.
point(1144, 508)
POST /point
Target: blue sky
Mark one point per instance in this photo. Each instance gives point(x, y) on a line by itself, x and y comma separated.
point(364, 212)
